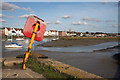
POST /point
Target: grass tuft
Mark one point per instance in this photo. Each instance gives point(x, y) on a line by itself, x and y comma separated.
point(48, 71)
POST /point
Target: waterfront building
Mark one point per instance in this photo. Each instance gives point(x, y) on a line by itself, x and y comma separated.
point(46, 33)
point(54, 32)
point(13, 32)
point(62, 33)
point(51, 33)
point(71, 33)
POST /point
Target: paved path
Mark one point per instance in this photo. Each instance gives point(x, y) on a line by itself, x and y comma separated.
point(13, 71)
point(19, 73)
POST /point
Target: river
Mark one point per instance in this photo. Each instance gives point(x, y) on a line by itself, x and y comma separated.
point(100, 62)
point(25, 43)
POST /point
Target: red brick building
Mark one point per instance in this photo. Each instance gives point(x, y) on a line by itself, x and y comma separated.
point(62, 33)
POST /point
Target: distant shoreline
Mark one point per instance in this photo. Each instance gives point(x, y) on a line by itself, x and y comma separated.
point(78, 41)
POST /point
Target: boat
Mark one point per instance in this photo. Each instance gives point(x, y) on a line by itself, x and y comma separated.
point(54, 39)
point(9, 40)
point(13, 45)
point(19, 39)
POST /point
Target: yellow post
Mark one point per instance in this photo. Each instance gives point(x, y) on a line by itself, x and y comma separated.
point(26, 54)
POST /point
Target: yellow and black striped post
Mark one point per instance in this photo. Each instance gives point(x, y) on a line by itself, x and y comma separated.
point(28, 52)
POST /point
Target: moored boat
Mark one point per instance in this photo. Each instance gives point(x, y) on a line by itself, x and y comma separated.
point(54, 39)
point(9, 40)
point(19, 39)
point(13, 45)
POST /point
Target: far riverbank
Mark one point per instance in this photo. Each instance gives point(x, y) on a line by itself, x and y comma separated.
point(78, 41)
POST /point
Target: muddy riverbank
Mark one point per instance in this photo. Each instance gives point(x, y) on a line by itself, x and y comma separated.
point(67, 42)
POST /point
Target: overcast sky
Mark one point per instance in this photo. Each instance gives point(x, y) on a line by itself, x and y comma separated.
point(79, 16)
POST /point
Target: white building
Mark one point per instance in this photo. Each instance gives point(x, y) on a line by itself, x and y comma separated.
point(81, 34)
point(7, 31)
point(54, 32)
point(19, 32)
point(13, 32)
point(46, 33)
point(100, 35)
point(71, 33)
point(51, 33)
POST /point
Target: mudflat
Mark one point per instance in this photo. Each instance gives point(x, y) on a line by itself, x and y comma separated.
point(66, 42)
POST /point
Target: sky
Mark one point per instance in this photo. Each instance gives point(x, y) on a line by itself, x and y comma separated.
point(61, 0)
point(62, 16)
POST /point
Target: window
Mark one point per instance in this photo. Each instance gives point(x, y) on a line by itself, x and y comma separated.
point(13, 32)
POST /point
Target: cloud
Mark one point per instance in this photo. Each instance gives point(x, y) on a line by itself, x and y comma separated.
point(58, 22)
point(54, 22)
point(32, 11)
point(2, 16)
point(80, 23)
point(3, 20)
point(8, 6)
point(115, 25)
point(66, 16)
point(48, 22)
point(77, 23)
point(29, 9)
point(91, 19)
point(84, 23)
point(26, 9)
point(25, 16)
point(11, 7)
